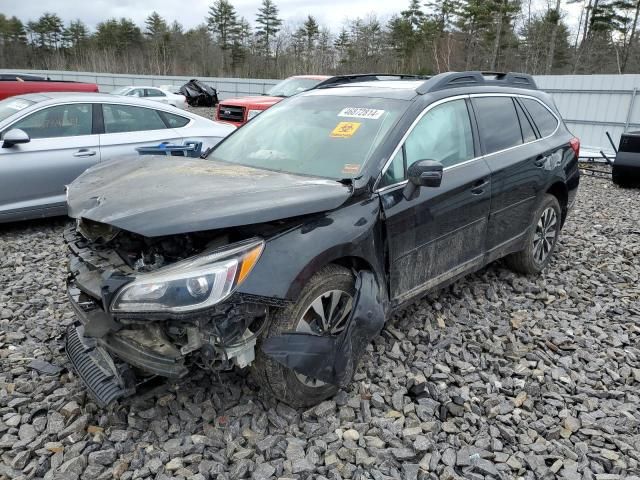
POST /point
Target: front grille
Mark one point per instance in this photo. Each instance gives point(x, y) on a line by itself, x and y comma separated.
point(231, 113)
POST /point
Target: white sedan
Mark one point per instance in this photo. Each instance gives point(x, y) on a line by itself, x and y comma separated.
point(156, 94)
point(48, 139)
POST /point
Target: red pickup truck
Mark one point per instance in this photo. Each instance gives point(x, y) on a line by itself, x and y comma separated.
point(19, 84)
point(239, 111)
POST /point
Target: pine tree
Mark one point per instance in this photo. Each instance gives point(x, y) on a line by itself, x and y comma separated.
point(222, 21)
point(414, 15)
point(156, 25)
point(75, 34)
point(311, 32)
point(268, 25)
point(342, 44)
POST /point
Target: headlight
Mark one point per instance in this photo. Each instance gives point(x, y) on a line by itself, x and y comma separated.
point(191, 284)
point(253, 113)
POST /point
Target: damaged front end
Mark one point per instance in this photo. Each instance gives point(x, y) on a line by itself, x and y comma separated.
point(158, 305)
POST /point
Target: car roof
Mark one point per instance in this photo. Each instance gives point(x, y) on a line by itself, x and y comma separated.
point(139, 86)
point(53, 98)
point(393, 89)
point(312, 77)
point(442, 85)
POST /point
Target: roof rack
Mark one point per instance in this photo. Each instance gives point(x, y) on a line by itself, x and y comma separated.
point(366, 77)
point(446, 80)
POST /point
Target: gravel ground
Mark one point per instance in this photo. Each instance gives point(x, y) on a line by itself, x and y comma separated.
point(206, 112)
point(498, 376)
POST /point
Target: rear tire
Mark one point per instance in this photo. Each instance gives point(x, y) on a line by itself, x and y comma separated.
point(541, 240)
point(280, 381)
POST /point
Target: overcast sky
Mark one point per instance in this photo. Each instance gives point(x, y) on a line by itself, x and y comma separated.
point(192, 12)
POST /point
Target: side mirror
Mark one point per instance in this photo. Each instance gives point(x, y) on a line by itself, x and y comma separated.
point(423, 173)
point(14, 137)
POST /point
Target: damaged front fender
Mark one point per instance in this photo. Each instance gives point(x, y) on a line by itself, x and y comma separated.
point(334, 359)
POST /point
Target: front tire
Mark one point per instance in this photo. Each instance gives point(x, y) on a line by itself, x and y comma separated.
point(541, 240)
point(323, 308)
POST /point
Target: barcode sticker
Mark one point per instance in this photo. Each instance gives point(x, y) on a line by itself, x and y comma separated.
point(356, 112)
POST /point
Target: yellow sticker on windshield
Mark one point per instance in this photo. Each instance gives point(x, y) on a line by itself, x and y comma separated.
point(345, 129)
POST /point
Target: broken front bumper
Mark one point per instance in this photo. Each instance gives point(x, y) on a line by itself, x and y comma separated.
point(102, 345)
point(147, 349)
point(102, 360)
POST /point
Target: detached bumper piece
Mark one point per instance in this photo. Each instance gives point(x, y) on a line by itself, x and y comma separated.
point(333, 359)
point(96, 368)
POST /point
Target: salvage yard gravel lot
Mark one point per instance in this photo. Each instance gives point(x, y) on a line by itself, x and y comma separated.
point(497, 376)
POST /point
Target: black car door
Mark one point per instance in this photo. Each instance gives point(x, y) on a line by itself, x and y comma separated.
point(440, 233)
point(508, 142)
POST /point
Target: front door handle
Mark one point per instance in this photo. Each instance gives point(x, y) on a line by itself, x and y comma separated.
point(84, 152)
point(479, 186)
point(541, 160)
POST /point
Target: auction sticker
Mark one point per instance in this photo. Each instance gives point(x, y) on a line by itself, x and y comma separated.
point(355, 112)
point(351, 168)
point(345, 129)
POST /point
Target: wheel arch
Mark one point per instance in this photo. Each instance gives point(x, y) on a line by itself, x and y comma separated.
point(334, 256)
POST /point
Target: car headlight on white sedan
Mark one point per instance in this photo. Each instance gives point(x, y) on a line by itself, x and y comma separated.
point(253, 113)
point(192, 284)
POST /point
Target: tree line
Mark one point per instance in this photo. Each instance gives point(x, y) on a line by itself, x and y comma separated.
point(426, 37)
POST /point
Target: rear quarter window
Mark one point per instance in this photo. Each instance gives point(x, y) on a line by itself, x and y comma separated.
point(174, 121)
point(542, 117)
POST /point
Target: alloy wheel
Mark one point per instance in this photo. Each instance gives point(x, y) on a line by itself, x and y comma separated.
point(327, 315)
point(545, 235)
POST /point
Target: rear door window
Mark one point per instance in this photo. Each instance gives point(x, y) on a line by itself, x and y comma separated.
point(60, 121)
point(498, 123)
point(152, 92)
point(127, 118)
point(542, 117)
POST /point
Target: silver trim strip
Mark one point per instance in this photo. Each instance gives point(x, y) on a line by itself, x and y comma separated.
point(458, 97)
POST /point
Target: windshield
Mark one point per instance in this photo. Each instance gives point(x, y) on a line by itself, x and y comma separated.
point(121, 91)
point(320, 135)
point(291, 86)
point(13, 105)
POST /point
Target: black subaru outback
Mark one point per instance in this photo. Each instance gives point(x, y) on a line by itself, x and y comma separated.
point(287, 246)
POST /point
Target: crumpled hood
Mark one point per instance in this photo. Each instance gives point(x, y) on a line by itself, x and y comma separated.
point(159, 195)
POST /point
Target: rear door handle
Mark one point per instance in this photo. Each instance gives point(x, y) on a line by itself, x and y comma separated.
point(479, 186)
point(84, 152)
point(541, 160)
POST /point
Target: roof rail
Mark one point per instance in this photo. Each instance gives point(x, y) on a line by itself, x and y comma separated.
point(366, 77)
point(446, 80)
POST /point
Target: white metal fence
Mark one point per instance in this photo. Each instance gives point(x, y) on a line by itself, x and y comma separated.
point(107, 82)
point(590, 104)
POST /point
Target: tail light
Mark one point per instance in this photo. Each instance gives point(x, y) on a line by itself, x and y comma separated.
point(575, 146)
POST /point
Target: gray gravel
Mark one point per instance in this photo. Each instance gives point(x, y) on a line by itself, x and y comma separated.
point(499, 376)
point(207, 112)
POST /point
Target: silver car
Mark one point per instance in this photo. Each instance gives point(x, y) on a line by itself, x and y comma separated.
point(157, 94)
point(48, 139)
